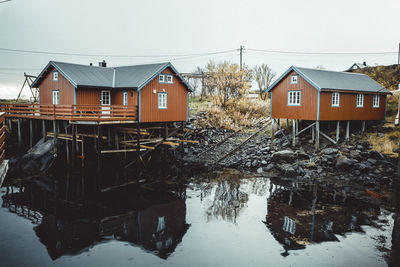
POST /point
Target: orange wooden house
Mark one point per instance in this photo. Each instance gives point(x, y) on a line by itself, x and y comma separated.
point(321, 95)
point(156, 92)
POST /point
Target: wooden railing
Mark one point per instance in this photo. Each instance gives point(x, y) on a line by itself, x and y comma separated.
point(71, 112)
point(2, 136)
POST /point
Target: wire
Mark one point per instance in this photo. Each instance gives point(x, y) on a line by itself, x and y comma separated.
point(319, 53)
point(10, 50)
point(1, 2)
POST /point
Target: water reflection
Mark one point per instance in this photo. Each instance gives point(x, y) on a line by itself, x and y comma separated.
point(69, 222)
point(300, 214)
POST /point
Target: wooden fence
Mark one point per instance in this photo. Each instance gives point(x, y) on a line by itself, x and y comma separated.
point(71, 112)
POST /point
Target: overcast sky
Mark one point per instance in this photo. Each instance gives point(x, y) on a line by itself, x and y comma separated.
point(184, 27)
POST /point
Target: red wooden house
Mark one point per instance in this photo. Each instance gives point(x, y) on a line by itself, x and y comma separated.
point(156, 91)
point(321, 95)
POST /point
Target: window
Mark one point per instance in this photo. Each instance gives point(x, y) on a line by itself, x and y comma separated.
point(170, 79)
point(105, 98)
point(162, 100)
point(294, 98)
point(161, 78)
point(375, 101)
point(293, 79)
point(335, 99)
point(360, 101)
point(56, 97)
point(55, 75)
point(125, 98)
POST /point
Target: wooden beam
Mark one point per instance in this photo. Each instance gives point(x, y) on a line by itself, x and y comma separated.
point(347, 139)
point(294, 133)
point(328, 138)
point(303, 130)
point(120, 150)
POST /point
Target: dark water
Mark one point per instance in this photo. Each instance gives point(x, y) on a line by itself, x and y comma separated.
point(229, 220)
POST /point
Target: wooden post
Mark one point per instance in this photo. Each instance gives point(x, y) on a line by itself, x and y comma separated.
point(294, 132)
point(99, 148)
point(66, 145)
point(347, 131)
point(10, 125)
point(30, 133)
point(166, 130)
point(138, 140)
point(273, 130)
point(317, 135)
point(362, 127)
point(19, 132)
point(83, 152)
point(55, 136)
point(297, 126)
point(313, 133)
point(337, 131)
point(287, 123)
point(116, 140)
point(73, 145)
point(44, 130)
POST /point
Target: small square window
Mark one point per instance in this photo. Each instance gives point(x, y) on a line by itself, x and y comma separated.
point(360, 101)
point(161, 78)
point(335, 99)
point(55, 75)
point(293, 79)
point(162, 100)
point(375, 101)
point(170, 79)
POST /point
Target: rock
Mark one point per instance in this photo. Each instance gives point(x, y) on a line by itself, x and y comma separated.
point(329, 151)
point(343, 162)
point(264, 163)
point(355, 153)
point(375, 155)
point(286, 155)
point(287, 169)
point(269, 167)
point(254, 163)
point(365, 144)
point(260, 170)
point(359, 147)
point(372, 161)
point(248, 164)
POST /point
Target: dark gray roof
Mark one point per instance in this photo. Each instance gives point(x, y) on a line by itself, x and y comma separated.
point(336, 80)
point(135, 76)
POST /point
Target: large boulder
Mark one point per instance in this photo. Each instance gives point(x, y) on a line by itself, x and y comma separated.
point(376, 155)
point(342, 163)
point(285, 155)
point(329, 151)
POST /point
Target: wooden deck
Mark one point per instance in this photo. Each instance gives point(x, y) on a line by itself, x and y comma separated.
point(85, 113)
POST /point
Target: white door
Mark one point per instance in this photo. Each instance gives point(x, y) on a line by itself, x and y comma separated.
point(105, 100)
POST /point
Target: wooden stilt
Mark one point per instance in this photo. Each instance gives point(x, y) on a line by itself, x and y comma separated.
point(95, 143)
point(55, 136)
point(10, 125)
point(99, 148)
point(67, 146)
point(313, 133)
point(30, 133)
point(337, 131)
point(125, 145)
point(109, 135)
point(73, 146)
point(83, 152)
point(44, 130)
point(287, 123)
point(138, 140)
point(166, 130)
point(317, 135)
point(19, 132)
point(362, 127)
point(273, 130)
point(116, 140)
point(297, 126)
point(347, 131)
point(294, 133)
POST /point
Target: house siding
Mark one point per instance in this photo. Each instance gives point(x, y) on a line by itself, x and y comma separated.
point(177, 100)
point(347, 109)
point(48, 85)
point(309, 100)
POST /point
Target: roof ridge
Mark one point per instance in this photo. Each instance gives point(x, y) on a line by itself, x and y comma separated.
point(336, 71)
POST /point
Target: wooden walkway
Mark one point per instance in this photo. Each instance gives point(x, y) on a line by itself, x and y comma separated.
point(95, 113)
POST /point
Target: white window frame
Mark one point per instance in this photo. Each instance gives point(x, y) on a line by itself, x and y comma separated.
point(170, 77)
point(162, 100)
point(335, 99)
point(294, 79)
point(124, 98)
point(102, 94)
point(375, 101)
point(56, 97)
point(294, 98)
point(55, 76)
point(360, 101)
point(161, 78)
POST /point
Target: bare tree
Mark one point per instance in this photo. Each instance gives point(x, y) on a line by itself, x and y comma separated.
point(195, 81)
point(227, 80)
point(263, 75)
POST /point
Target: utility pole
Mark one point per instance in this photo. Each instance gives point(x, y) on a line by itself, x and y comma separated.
point(241, 57)
point(398, 56)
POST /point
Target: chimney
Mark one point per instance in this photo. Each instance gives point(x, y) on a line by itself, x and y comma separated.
point(365, 63)
point(90, 64)
point(103, 64)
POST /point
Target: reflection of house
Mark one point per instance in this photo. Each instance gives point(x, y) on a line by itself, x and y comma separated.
point(300, 216)
point(155, 226)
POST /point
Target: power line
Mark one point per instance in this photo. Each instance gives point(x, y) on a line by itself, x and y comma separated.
point(319, 53)
point(1, 2)
point(10, 50)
